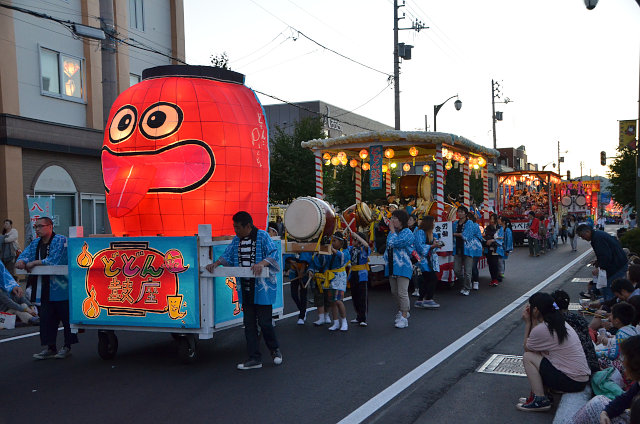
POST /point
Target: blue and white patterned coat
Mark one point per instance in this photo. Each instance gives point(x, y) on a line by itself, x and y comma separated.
point(505, 246)
point(428, 263)
point(58, 284)
point(402, 245)
point(265, 288)
point(363, 259)
point(7, 283)
point(472, 237)
point(322, 263)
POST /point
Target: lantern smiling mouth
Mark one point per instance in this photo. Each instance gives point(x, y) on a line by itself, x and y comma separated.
point(177, 168)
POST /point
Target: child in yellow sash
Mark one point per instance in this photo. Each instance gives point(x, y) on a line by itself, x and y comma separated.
point(359, 277)
point(330, 274)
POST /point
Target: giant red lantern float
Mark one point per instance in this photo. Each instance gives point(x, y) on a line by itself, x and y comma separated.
point(186, 146)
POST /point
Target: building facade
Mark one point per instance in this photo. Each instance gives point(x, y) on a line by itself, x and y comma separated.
point(336, 121)
point(53, 88)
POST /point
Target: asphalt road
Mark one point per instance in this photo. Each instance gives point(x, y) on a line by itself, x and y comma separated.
point(325, 376)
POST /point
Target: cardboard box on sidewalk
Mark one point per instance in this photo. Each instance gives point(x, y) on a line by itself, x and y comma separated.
point(7, 321)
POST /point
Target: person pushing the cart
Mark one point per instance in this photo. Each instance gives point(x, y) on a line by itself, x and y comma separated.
point(254, 248)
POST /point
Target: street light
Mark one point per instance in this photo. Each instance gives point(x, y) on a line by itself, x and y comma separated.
point(436, 109)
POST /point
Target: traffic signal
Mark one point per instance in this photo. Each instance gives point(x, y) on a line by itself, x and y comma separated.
point(603, 158)
point(568, 175)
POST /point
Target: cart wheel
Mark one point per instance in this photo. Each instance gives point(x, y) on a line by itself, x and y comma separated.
point(107, 344)
point(187, 349)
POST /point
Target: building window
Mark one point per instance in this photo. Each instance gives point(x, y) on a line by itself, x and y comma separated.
point(61, 75)
point(490, 185)
point(136, 14)
point(94, 213)
point(134, 79)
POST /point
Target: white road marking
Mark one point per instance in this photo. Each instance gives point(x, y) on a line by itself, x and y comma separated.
point(24, 336)
point(382, 398)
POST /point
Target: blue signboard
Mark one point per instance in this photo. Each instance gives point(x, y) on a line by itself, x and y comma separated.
point(134, 281)
point(375, 159)
point(227, 307)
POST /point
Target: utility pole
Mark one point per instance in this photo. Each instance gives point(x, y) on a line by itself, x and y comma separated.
point(109, 71)
point(493, 110)
point(396, 64)
point(581, 164)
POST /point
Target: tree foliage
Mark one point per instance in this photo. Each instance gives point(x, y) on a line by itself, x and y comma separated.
point(622, 176)
point(292, 166)
point(220, 60)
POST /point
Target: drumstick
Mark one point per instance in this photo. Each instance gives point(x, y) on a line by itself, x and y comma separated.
point(586, 311)
point(347, 225)
point(305, 285)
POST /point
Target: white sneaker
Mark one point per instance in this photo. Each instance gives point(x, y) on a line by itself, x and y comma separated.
point(402, 323)
point(335, 326)
point(300, 321)
point(344, 326)
point(327, 319)
point(476, 285)
point(399, 315)
point(465, 292)
point(319, 322)
point(354, 321)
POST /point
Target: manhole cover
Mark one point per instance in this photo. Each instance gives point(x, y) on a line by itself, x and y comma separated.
point(582, 280)
point(504, 365)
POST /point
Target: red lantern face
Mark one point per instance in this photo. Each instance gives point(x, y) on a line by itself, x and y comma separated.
point(185, 150)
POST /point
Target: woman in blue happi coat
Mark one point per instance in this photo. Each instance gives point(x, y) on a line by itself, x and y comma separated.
point(427, 247)
point(504, 237)
point(399, 269)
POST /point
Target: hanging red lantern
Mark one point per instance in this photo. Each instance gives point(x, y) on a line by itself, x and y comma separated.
point(406, 167)
point(353, 163)
point(389, 153)
point(365, 166)
point(364, 154)
point(413, 151)
point(426, 168)
point(326, 156)
point(186, 146)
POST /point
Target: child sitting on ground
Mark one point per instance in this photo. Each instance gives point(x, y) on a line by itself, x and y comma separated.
point(622, 317)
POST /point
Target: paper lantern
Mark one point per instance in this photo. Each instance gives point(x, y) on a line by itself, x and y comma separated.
point(364, 154)
point(482, 161)
point(476, 166)
point(327, 162)
point(444, 152)
point(365, 166)
point(341, 156)
point(389, 153)
point(393, 165)
point(326, 156)
point(353, 163)
point(335, 160)
point(344, 161)
point(426, 168)
point(385, 168)
point(448, 165)
point(449, 155)
point(413, 151)
point(406, 167)
point(188, 145)
point(462, 159)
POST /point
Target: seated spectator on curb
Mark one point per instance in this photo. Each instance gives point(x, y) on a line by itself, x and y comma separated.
point(13, 301)
point(553, 357)
point(622, 316)
point(623, 289)
point(601, 409)
point(581, 327)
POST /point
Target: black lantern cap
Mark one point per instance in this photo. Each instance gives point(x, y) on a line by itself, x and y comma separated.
point(193, 71)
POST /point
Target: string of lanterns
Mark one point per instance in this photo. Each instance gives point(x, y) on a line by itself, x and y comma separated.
point(475, 162)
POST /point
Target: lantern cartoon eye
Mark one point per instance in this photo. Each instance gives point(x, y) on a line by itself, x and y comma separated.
point(123, 124)
point(160, 120)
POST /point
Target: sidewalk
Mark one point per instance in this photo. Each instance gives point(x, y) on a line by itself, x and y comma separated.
point(491, 398)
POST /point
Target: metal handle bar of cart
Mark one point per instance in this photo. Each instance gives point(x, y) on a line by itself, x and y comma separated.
point(234, 271)
point(45, 270)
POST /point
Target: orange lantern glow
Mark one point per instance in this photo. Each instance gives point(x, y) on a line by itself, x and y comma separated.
point(326, 156)
point(341, 156)
point(335, 161)
point(344, 161)
point(426, 168)
point(406, 167)
point(448, 165)
point(70, 67)
point(327, 162)
point(413, 151)
point(186, 146)
point(385, 168)
point(353, 163)
point(482, 161)
point(449, 155)
point(444, 152)
point(364, 154)
point(389, 153)
point(462, 159)
point(365, 166)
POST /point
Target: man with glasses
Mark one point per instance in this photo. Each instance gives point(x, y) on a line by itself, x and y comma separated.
point(51, 291)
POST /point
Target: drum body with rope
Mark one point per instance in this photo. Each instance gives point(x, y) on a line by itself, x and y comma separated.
point(309, 219)
point(449, 214)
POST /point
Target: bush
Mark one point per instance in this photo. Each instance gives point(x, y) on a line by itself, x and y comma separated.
point(631, 240)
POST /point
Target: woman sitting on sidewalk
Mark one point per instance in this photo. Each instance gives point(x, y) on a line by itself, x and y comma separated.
point(602, 410)
point(553, 356)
